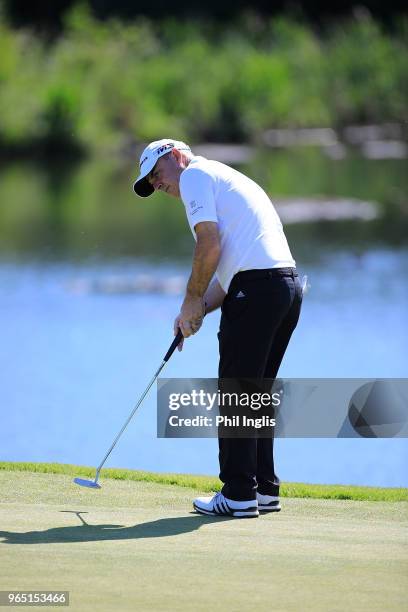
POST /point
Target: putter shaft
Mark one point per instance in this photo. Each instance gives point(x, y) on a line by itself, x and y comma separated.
point(167, 356)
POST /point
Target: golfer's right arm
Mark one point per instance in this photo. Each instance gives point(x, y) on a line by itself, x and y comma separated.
point(198, 197)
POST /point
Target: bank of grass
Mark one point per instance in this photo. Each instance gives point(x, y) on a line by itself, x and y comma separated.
point(102, 85)
point(208, 483)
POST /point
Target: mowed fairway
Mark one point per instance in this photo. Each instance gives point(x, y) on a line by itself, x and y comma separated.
point(138, 546)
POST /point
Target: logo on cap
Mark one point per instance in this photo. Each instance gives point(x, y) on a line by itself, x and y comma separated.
point(164, 148)
point(143, 161)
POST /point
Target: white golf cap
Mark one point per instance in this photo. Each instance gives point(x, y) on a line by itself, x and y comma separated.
point(148, 160)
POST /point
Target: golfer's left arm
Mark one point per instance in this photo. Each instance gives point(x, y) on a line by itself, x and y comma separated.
point(205, 261)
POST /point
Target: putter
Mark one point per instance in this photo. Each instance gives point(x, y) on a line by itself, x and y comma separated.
point(93, 484)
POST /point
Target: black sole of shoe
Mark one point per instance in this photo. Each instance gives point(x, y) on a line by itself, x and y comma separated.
point(269, 510)
point(232, 515)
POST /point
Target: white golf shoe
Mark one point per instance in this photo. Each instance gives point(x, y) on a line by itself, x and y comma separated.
point(268, 503)
point(218, 505)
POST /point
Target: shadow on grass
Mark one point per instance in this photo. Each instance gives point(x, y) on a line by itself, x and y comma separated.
point(93, 533)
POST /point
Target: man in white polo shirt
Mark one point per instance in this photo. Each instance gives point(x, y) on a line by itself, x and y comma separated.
point(243, 264)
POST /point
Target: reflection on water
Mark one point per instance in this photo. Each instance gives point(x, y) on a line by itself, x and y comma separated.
point(74, 361)
point(61, 211)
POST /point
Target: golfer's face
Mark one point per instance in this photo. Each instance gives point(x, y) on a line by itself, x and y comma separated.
point(165, 175)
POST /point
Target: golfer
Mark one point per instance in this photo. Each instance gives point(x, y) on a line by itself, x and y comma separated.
point(242, 263)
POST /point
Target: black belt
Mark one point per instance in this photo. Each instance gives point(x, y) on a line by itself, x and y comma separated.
point(268, 273)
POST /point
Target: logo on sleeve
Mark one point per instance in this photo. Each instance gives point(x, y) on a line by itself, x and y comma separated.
point(194, 207)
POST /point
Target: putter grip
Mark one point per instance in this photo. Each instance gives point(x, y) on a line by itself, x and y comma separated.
point(174, 345)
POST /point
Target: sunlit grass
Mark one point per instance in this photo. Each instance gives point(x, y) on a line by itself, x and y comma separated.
point(209, 483)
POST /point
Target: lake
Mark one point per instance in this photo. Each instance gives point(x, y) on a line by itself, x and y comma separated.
point(90, 280)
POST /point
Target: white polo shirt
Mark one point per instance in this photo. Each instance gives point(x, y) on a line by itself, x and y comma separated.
point(250, 230)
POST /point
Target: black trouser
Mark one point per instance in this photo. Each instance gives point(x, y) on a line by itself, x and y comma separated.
point(255, 330)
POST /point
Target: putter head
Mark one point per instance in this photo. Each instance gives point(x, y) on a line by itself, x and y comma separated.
point(91, 484)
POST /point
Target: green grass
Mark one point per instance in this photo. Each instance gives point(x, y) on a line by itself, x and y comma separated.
point(137, 546)
point(209, 483)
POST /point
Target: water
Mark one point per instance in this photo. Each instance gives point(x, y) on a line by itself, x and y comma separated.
point(74, 360)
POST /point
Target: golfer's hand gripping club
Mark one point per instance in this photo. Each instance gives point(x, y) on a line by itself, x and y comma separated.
point(178, 338)
point(94, 484)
